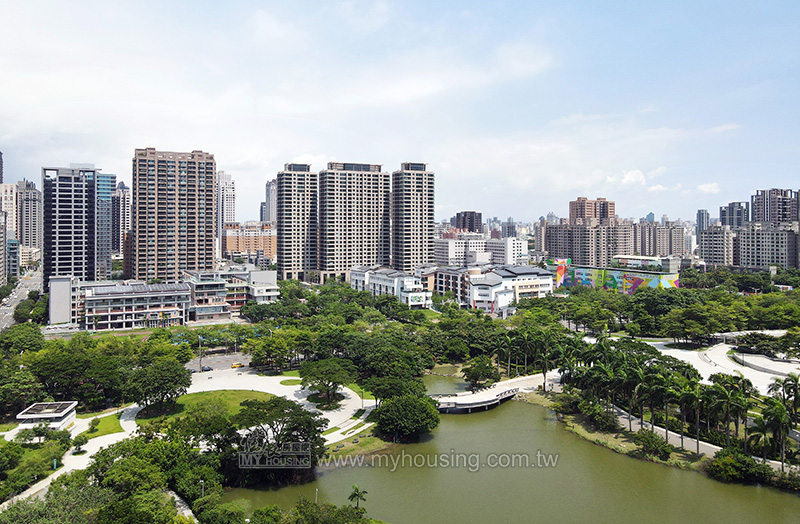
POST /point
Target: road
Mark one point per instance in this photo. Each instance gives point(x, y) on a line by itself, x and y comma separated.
point(29, 282)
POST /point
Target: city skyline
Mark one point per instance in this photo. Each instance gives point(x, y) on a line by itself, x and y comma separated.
point(518, 108)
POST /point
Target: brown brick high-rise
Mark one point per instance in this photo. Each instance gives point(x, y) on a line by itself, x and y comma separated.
point(173, 213)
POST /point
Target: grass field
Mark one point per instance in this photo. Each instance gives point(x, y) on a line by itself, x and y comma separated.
point(291, 382)
point(108, 425)
point(230, 397)
point(7, 426)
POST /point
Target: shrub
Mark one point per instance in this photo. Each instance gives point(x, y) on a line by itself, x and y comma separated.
point(601, 419)
point(652, 445)
point(731, 465)
point(93, 425)
point(567, 403)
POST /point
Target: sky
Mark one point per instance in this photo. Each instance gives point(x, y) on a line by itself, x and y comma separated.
point(517, 106)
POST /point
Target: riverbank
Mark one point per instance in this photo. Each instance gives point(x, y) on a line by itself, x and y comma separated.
point(621, 441)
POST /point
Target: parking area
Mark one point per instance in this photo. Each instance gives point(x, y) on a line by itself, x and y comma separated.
point(219, 360)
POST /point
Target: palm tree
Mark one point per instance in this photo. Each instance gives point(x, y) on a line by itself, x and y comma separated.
point(778, 387)
point(779, 422)
point(724, 398)
point(759, 435)
point(358, 495)
point(526, 342)
point(694, 396)
point(792, 385)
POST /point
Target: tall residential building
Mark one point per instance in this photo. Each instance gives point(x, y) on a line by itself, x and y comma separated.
point(1, 167)
point(30, 219)
point(589, 245)
point(469, 221)
point(12, 254)
point(715, 245)
point(296, 210)
point(412, 216)
point(4, 269)
point(271, 202)
point(226, 205)
point(120, 216)
point(10, 204)
point(173, 213)
point(508, 229)
point(703, 222)
point(106, 186)
point(262, 213)
point(735, 214)
point(654, 240)
point(591, 212)
point(69, 202)
point(774, 206)
point(354, 218)
point(248, 238)
point(761, 244)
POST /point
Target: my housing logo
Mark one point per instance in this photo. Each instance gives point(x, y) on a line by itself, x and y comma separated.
point(256, 452)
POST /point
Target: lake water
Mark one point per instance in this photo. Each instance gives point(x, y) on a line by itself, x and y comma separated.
point(589, 483)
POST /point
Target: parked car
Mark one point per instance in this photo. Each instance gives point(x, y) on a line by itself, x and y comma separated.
point(207, 368)
point(237, 365)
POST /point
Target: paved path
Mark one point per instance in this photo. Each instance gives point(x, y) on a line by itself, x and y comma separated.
point(210, 381)
point(488, 396)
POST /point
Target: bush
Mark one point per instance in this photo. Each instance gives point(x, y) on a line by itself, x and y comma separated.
point(601, 419)
point(652, 445)
point(731, 465)
point(567, 403)
point(93, 425)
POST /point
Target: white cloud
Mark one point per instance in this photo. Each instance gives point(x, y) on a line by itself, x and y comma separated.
point(709, 188)
point(724, 128)
point(657, 187)
point(628, 178)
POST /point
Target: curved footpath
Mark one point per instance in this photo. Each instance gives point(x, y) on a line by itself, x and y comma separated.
point(209, 381)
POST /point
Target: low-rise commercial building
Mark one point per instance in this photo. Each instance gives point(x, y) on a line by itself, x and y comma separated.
point(136, 306)
point(386, 281)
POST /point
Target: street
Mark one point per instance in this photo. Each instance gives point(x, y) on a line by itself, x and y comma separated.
point(28, 282)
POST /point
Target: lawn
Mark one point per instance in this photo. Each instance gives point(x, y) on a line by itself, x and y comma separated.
point(291, 382)
point(366, 395)
point(108, 425)
point(430, 314)
point(7, 426)
point(93, 414)
point(230, 397)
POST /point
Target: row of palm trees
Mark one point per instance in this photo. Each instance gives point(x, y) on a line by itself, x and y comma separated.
point(635, 375)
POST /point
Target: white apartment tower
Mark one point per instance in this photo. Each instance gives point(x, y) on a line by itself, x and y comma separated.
point(226, 205)
point(354, 218)
point(296, 215)
point(271, 202)
point(29, 221)
point(9, 203)
point(173, 214)
point(412, 217)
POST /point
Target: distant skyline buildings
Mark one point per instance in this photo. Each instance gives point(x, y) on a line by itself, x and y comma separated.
point(269, 211)
point(468, 221)
point(584, 211)
point(774, 205)
point(735, 214)
point(120, 216)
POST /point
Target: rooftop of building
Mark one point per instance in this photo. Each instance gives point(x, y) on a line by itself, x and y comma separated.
point(47, 410)
point(137, 288)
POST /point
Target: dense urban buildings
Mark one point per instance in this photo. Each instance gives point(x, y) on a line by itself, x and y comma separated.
point(703, 222)
point(412, 216)
point(590, 212)
point(774, 206)
point(248, 238)
point(296, 209)
point(69, 235)
point(173, 213)
point(120, 216)
point(469, 221)
point(735, 214)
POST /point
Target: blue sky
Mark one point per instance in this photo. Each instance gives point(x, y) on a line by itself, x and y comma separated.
point(518, 107)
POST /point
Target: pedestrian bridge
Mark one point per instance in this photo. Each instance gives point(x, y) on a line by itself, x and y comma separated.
point(481, 399)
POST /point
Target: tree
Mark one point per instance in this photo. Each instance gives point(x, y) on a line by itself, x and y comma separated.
point(80, 441)
point(480, 369)
point(407, 416)
point(390, 387)
point(160, 383)
point(358, 495)
point(327, 376)
point(779, 422)
point(759, 435)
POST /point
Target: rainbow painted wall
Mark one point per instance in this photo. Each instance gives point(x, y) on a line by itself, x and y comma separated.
point(622, 280)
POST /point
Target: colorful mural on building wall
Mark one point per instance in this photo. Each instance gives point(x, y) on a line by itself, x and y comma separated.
point(622, 280)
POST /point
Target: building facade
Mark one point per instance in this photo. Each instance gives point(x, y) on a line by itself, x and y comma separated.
point(30, 215)
point(297, 212)
point(120, 216)
point(774, 206)
point(386, 281)
point(69, 232)
point(270, 207)
point(716, 245)
point(735, 214)
point(469, 221)
point(589, 212)
point(106, 186)
point(412, 216)
point(761, 245)
point(9, 203)
point(354, 218)
point(226, 206)
point(248, 238)
point(173, 213)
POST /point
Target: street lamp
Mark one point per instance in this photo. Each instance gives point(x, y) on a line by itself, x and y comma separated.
point(202, 488)
point(200, 349)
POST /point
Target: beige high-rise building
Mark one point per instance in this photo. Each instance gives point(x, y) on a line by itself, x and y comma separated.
point(354, 218)
point(30, 215)
point(173, 213)
point(592, 212)
point(249, 238)
point(412, 217)
point(296, 208)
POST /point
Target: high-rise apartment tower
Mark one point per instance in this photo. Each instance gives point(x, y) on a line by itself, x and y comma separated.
point(412, 216)
point(173, 213)
point(296, 214)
